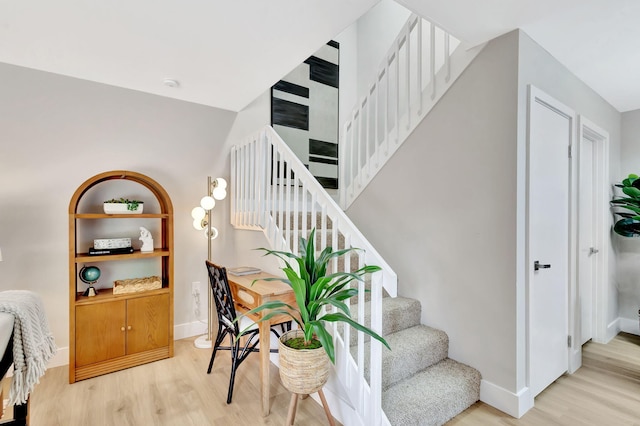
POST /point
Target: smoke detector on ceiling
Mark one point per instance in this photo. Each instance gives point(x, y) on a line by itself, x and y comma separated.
point(169, 82)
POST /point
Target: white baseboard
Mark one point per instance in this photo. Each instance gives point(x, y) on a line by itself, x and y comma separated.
point(514, 404)
point(613, 328)
point(629, 326)
point(190, 329)
point(60, 358)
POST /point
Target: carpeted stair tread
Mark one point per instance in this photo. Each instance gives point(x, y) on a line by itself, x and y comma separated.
point(398, 313)
point(433, 396)
point(310, 223)
point(412, 350)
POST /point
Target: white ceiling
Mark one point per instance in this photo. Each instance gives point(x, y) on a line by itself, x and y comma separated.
point(598, 40)
point(225, 53)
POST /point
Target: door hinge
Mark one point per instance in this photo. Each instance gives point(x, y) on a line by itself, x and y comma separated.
point(569, 151)
point(569, 341)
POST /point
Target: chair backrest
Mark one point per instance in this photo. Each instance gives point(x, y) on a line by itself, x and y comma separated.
point(222, 296)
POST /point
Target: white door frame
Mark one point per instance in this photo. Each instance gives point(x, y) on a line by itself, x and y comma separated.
point(602, 225)
point(538, 96)
point(602, 332)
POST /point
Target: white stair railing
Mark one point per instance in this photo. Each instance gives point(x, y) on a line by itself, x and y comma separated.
point(272, 191)
point(420, 66)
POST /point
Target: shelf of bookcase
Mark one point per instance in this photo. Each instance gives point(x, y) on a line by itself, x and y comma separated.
point(85, 257)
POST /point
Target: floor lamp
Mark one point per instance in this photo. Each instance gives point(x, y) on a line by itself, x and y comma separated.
point(216, 190)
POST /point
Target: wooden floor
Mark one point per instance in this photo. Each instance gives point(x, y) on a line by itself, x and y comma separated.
point(172, 392)
point(605, 391)
point(177, 391)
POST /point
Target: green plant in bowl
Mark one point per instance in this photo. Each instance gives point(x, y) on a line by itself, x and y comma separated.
point(132, 205)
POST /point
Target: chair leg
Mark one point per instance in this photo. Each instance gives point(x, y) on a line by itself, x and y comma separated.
point(291, 416)
point(215, 345)
point(234, 366)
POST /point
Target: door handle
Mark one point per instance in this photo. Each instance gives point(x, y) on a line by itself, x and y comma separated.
point(593, 251)
point(537, 265)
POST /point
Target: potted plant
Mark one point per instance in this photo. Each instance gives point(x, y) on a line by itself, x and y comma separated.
point(312, 345)
point(123, 206)
point(629, 224)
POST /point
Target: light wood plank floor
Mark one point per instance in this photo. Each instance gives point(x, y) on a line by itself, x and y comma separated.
point(177, 391)
point(605, 391)
point(171, 392)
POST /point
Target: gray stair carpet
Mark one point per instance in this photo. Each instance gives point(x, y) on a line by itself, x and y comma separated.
point(433, 396)
point(398, 313)
point(420, 385)
point(413, 350)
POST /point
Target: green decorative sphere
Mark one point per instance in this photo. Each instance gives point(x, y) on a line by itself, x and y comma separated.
point(89, 274)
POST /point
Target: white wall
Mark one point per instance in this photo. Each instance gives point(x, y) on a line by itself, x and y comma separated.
point(539, 68)
point(447, 211)
point(377, 30)
point(442, 213)
point(627, 273)
point(56, 132)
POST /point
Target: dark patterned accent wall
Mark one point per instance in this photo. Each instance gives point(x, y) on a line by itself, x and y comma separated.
point(304, 112)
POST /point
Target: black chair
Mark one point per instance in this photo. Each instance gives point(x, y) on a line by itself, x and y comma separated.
point(227, 326)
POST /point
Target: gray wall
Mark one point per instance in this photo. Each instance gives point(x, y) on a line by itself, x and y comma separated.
point(56, 132)
point(442, 213)
point(628, 249)
point(539, 68)
point(447, 212)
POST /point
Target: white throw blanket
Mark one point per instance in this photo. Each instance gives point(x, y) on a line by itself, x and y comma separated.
point(33, 344)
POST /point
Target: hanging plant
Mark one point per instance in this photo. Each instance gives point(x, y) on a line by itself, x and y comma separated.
point(627, 207)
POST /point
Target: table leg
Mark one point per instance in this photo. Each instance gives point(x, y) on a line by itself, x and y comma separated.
point(265, 345)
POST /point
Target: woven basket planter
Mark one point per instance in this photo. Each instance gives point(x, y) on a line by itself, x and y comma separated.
point(302, 371)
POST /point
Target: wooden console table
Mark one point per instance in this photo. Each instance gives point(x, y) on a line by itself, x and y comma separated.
point(247, 296)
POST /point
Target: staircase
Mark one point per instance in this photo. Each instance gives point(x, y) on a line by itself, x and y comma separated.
point(420, 384)
point(415, 382)
point(273, 192)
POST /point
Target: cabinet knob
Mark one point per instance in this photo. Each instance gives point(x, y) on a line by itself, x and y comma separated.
point(129, 328)
point(121, 328)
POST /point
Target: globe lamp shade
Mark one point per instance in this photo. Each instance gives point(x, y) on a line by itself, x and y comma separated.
point(198, 213)
point(198, 224)
point(220, 183)
point(214, 233)
point(207, 203)
point(219, 193)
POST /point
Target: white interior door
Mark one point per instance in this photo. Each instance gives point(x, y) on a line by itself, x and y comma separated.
point(586, 236)
point(593, 226)
point(551, 129)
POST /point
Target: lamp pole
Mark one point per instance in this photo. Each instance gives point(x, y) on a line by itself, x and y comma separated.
point(202, 215)
point(210, 296)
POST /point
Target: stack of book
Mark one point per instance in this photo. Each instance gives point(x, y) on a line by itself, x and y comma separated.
point(111, 246)
point(244, 270)
point(121, 250)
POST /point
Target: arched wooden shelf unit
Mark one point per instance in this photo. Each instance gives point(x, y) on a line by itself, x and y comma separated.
point(110, 332)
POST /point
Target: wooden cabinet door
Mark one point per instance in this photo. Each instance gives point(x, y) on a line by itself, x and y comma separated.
point(100, 332)
point(147, 323)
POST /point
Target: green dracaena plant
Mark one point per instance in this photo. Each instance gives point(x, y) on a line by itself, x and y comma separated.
point(313, 289)
point(629, 223)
